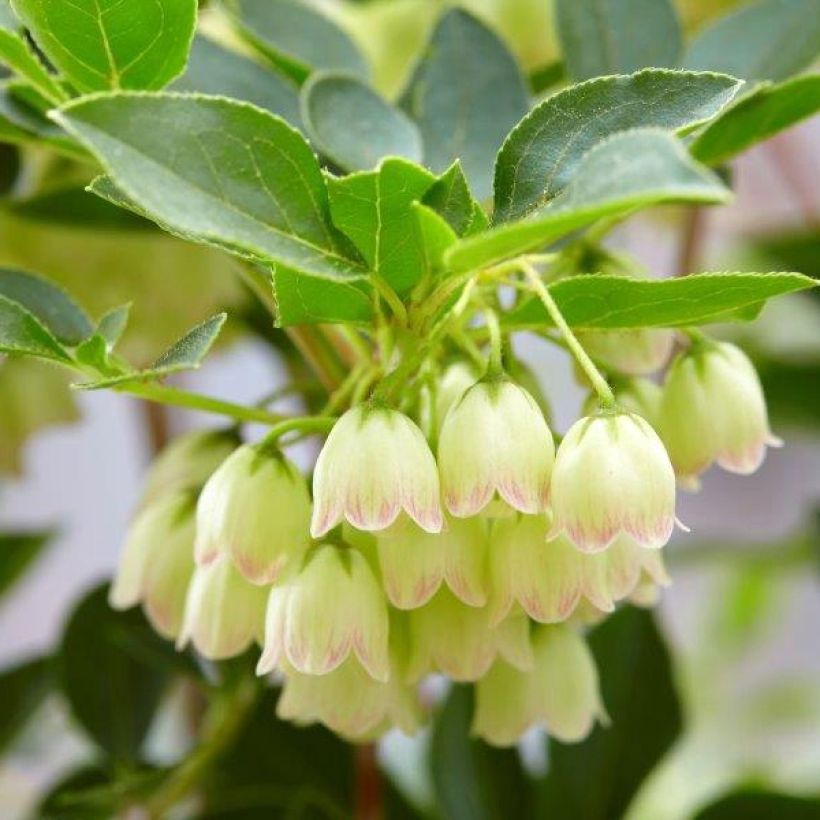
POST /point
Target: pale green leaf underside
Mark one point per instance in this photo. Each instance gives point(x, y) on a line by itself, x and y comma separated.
point(601, 37)
point(465, 95)
point(102, 44)
point(768, 40)
point(758, 116)
point(49, 303)
point(216, 171)
point(614, 302)
point(353, 126)
point(185, 354)
point(543, 150)
point(213, 69)
point(630, 170)
point(296, 38)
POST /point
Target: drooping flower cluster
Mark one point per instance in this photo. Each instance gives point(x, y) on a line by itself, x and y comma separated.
point(484, 561)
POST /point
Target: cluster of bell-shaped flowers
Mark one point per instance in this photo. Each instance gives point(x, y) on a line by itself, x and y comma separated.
point(472, 548)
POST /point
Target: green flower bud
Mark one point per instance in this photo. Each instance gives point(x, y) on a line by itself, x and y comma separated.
point(414, 563)
point(331, 608)
point(450, 637)
point(187, 462)
point(158, 561)
point(495, 440)
point(255, 508)
point(713, 409)
point(456, 380)
point(224, 613)
point(612, 476)
point(375, 463)
point(631, 352)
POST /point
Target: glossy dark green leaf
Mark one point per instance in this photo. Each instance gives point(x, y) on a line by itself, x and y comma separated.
point(472, 780)
point(597, 778)
point(213, 69)
point(600, 37)
point(768, 110)
point(18, 552)
point(466, 94)
point(102, 44)
point(450, 197)
point(353, 126)
point(266, 201)
point(48, 302)
point(542, 152)
point(373, 210)
point(594, 301)
point(762, 40)
point(761, 805)
point(21, 332)
point(113, 670)
point(628, 171)
point(22, 689)
point(185, 354)
point(296, 38)
point(15, 53)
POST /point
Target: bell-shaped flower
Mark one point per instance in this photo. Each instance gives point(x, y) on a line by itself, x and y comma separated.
point(495, 440)
point(612, 476)
point(375, 463)
point(454, 382)
point(187, 462)
point(637, 352)
point(332, 608)
point(224, 613)
point(713, 410)
point(414, 563)
point(559, 692)
point(450, 637)
point(350, 702)
point(255, 508)
point(158, 561)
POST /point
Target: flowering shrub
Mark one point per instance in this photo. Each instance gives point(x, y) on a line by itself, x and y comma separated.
point(402, 249)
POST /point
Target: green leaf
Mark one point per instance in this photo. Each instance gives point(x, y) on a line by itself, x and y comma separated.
point(113, 669)
point(761, 805)
point(18, 551)
point(15, 53)
point(373, 210)
point(542, 152)
point(593, 301)
point(472, 780)
point(598, 777)
point(436, 236)
point(267, 200)
point(8, 20)
point(466, 94)
point(185, 354)
point(766, 40)
point(601, 37)
point(353, 126)
point(22, 689)
point(547, 76)
point(768, 110)
point(21, 332)
point(297, 39)
point(213, 69)
point(112, 325)
point(630, 170)
point(450, 198)
point(102, 44)
point(67, 799)
point(48, 302)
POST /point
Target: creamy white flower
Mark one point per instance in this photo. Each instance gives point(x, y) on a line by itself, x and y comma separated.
point(713, 410)
point(158, 561)
point(331, 608)
point(495, 440)
point(631, 352)
point(255, 508)
point(612, 476)
point(375, 463)
point(455, 381)
point(224, 613)
point(414, 563)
